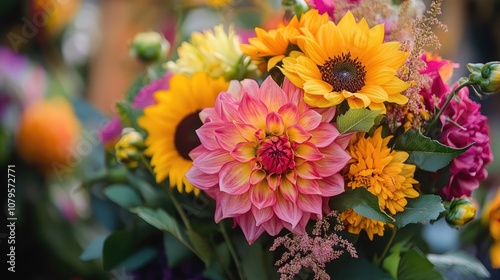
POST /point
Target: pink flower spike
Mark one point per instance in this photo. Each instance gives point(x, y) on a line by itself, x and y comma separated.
point(270, 153)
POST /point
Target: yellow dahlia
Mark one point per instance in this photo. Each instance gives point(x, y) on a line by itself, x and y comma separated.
point(171, 125)
point(383, 173)
point(273, 45)
point(348, 61)
point(214, 52)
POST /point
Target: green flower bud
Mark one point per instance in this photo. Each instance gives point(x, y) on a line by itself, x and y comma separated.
point(149, 46)
point(460, 212)
point(486, 76)
point(129, 148)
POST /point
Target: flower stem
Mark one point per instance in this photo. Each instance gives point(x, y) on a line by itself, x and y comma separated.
point(232, 250)
point(386, 249)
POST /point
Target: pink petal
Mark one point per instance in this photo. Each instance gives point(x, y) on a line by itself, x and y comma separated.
point(335, 159)
point(300, 228)
point(249, 86)
point(310, 120)
point(272, 95)
point(288, 190)
point(206, 134)
point(226, 107)
point(211, 162)
point(289, 114)
point(343, 139)
point(247, 131)
point(274, 124)
point(196, 152)
point(244, 152)
point(308, 151)
point(273, 226)
point(233, 205)
point(298, 134)
point(324, 135)
point(228, 136)
point(257, 176)
point(262, 215)
point(310, 203)
point(253, 111)
point(201, 180)
point(287, 211)
point(308, 170)
point(274, 181)
point(332, 185)
point(327, 114)
point(262, 196)
point(250, 230)
point(308, 186)
point(234, 178)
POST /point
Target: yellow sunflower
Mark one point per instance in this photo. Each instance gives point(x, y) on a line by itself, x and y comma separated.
point(273, 45)
point(171, 125)
point(348, 61)
point(383, 173)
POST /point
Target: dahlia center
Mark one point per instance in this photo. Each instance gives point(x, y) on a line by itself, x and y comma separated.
point(185, 138)
point(344, 73)
point(276, 155)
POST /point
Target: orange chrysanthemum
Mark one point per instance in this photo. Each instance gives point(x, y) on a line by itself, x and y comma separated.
point(383, 173)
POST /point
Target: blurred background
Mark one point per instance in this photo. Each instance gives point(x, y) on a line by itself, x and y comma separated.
point(64, 64)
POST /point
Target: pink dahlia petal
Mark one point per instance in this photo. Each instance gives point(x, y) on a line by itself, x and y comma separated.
point(273, 226)
point(310, 120)
point(262, 196)
point(310, 203)
point(274, 124)
point(244, 151)
point(262, 215)
point(298, 134)
point(308, 170)
point(288, 191)
point(287, 211)
point(248, 131)
point(228, 137)
point(257, 176)
point(253, 111)
point(211, 162)
point(274, 181)
point(332, 185)
point(234, 178)
point(309, 186)
point(250, 230)
point(207, 136)
point(272, 95)
point(233, 205)
point(201, 180)
point(289, 114)
point(308, 151)
point(324, 135)
point(343, 139)
point(335, 159)
point(226, 107)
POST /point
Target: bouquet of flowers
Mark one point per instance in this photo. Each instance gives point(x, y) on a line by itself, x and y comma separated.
point(316, 147)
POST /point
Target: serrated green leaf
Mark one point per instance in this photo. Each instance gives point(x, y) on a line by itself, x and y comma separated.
point(362, 202)
point(357, 120)
point(93, 250)
point(413, 265)
point(427, 154)
point(123, 195)
point(419, 209)
point(467, 266)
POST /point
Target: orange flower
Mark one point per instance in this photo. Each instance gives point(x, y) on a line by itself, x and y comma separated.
point(48, 130)
point(493, 214)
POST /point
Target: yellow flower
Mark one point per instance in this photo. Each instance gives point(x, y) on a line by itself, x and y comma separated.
point(217, 4)
point(383, 173)
point(348, 61)
point(493, 214)
point(48, 134)
point(274, 45)
point(214, 52)
point(129, 148)
point(171, 125)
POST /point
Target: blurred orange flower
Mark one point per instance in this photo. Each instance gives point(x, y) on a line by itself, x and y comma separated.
point(493, 212)
point(48, 131)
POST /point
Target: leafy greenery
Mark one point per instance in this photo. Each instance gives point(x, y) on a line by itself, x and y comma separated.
point(419, 209)
point(362, 202)
point(357, 120)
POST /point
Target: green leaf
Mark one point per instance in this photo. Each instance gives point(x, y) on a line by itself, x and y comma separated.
point(359, 269)
point(391, 262)
point(357, 120)
point(162, 221)
point(117, 247)
point(253, 263)
point(419, 209)
point(94, 249)
point(129, 115)
point(123, 195)
point(138, 259)
point(362, 202)
point(427, 154)
point(217, 269)
point(413, 265)
point(176, 252)
point(467, 266)
point(201, 246)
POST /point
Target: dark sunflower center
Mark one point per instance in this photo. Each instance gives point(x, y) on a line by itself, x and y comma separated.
point(185, 138)
point(344, 73)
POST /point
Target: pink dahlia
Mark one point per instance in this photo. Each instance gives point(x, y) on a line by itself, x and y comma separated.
point(268, 159)
point(467, 126)
point(439, 72)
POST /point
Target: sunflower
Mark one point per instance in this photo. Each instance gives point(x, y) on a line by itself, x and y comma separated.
point(383, 173)
point(348, 61)
point(171, 125)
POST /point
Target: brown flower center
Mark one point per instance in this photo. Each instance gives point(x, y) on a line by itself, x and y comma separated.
point(185, 138)
point(344, 73)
